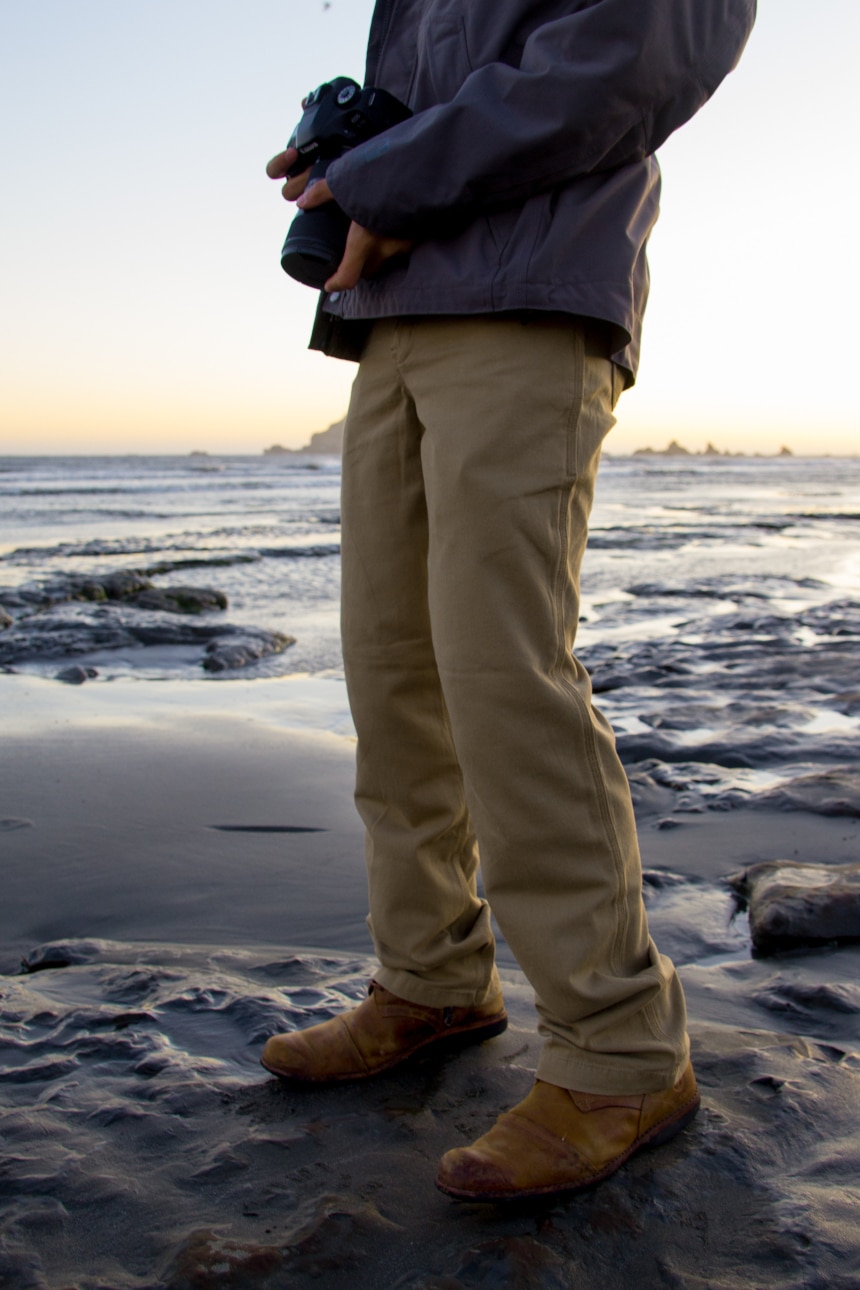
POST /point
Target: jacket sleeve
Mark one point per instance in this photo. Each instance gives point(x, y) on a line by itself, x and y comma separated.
point(601, 87)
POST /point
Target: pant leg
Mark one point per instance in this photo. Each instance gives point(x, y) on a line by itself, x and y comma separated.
point(431, 932)
point(512, 418)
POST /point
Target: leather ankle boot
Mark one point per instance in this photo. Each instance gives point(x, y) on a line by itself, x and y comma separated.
point(380, 1033)
point(560, 1140)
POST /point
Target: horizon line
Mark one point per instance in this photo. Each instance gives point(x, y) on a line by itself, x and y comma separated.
point(722, 455)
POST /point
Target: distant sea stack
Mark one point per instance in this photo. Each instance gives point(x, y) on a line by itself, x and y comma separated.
point(676, 449)
point(328, 441)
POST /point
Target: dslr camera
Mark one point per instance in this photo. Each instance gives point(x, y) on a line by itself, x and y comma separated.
point(337, 116)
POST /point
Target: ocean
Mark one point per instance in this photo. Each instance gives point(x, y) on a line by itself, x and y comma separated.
point(678, 546)
point(731, 585)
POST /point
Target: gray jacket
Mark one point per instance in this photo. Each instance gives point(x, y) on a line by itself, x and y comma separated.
point(527, 176)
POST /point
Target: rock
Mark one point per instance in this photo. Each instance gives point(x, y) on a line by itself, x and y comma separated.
point(835, 791)
point(333, 1237)
point(76, 675)
point(800, 999)
point(674, 449)
point(123, 585)
point(324, 441)
point(134, 588)
point(328, 441)
point(6, 620)
point(61, 954)
point(84, 630)
point(181, 600)
point(224, 655)
point(208, 1258)
point(45, 636)
point(792, 904)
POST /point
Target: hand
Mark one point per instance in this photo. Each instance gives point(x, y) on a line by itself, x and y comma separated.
point(365, 252)
point(278, 168)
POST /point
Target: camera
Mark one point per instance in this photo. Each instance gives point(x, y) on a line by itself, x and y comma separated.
point(337, 116)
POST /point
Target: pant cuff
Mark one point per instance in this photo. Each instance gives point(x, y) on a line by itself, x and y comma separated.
point(570, 1067)
point(416, 989)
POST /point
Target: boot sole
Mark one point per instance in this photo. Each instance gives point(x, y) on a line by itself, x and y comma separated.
point(446, 1041)
point(655, 1137)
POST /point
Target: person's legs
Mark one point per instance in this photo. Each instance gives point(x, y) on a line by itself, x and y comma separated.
point(471, 454)
point(510, 419)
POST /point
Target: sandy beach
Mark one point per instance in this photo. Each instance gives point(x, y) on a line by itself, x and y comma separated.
point(183, 875)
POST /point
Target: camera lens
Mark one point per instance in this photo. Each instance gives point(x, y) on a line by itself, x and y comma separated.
point(314, 245)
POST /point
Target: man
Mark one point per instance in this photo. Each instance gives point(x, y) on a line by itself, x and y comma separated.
point(498, 246)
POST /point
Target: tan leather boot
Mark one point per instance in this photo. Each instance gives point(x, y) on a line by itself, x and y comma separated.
point(378, 1034)
point(559, 1140)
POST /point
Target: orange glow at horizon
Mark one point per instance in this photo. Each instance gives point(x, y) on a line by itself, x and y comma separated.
point(144, 308)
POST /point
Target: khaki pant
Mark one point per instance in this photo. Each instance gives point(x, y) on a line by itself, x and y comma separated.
point(470, 457)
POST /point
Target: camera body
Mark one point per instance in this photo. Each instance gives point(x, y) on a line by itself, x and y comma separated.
point(337, 116)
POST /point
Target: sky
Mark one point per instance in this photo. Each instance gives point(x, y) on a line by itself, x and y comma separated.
point(142, 303)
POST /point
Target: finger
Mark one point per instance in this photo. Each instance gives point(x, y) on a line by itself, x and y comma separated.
point(278, 167)
point(360, 246)
point(294, 187)
point(316, 194)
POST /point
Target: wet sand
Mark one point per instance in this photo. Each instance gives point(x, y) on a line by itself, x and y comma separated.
point(182, 875)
